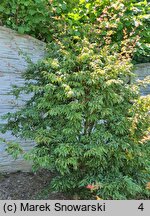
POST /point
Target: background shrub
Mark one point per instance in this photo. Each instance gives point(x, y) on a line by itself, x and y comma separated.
point(51, 19)
point(39, 18)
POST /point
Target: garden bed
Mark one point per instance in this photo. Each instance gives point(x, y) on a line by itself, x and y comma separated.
point(27, 186)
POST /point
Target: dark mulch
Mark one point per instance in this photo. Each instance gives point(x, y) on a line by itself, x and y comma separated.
point(27, 186)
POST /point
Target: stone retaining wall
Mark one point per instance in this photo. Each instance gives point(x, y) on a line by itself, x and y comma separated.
point(13, 47)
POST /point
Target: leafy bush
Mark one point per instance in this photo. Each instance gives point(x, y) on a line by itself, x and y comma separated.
point(89, 124)
point(38, 18)
point(118, 20)
point(48, 20)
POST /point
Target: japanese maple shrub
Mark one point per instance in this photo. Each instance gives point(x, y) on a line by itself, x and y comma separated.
point(89, 124)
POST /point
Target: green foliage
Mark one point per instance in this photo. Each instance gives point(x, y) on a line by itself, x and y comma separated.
point(13, 148)
point(39, 18)
point(89, 124)
point(119, 20)
point(50, 19)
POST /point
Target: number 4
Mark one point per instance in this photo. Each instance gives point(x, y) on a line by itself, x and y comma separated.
point(141, 207)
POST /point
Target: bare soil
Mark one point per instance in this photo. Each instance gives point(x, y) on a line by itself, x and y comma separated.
point(27, 186)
